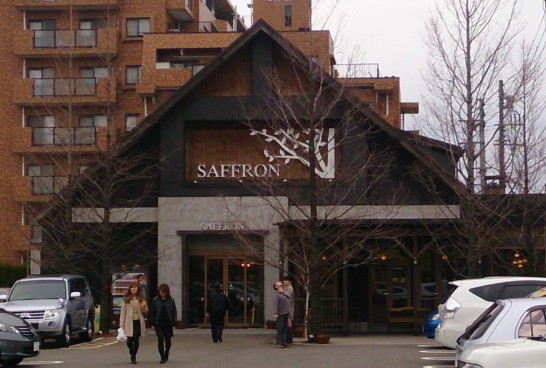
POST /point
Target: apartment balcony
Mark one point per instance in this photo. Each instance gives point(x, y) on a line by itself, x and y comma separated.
point(166, 77)
point(37, 188)
point(60, 91)
point(66, 43)
point(48, 5)
point(369, 70)
point(52, 140)
point(180, 10)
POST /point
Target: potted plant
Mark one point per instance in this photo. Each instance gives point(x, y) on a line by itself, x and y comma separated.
point(271, 324)
point(299, 331)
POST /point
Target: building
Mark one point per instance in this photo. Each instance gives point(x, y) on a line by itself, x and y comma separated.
point(94, 71)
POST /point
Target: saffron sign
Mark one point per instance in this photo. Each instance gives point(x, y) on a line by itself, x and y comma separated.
point(280, 148)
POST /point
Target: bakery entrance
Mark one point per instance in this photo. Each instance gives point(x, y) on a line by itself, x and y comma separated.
point(241, 279)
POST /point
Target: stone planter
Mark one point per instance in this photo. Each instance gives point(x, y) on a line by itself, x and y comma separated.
point(323, 339)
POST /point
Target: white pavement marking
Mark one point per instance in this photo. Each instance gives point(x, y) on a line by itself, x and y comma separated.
point(447, 359)
point(436, 352)
point(437, 366)
point(41, 362)
point(97, 343)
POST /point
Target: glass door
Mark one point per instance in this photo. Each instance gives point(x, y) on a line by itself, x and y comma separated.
point(241, 279)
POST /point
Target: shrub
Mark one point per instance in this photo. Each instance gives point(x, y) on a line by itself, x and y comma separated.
point(10, 273)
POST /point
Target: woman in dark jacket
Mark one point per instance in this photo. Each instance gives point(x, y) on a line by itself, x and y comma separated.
point(163, 318)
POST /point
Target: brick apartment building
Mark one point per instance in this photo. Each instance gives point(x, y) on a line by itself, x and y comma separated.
point(78, 74)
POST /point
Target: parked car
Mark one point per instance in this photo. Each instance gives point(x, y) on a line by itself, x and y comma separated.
point(506, 320)
point(18, 339)
point(430, 324)
point(56, 306)
point(520, 353)
point(471, 297)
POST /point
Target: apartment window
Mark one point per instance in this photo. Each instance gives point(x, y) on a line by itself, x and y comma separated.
point(36, 231)
point(93, 23)
point(94, 72)
point(132, 74)
point(43, 129)
point(43, 178)
point(288, 15)
point(93, 121)
point(43, 81)
point(136, 27)
point(44, 32)
point(130, 121)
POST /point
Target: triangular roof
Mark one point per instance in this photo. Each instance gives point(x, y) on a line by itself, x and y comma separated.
point(414, 144)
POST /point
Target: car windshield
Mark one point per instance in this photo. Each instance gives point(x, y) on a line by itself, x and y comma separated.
point(39, 289)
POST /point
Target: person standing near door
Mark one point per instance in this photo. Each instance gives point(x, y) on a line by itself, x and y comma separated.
point(281, 312)
point(163, 319)
point(289, 290)
point(131, 318)
point(217, 307)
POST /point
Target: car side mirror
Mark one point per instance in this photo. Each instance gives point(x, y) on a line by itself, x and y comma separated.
point(75, 294)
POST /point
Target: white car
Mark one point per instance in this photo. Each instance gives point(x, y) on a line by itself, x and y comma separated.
point(506, 320)
point(473, 296)
point(520, 353)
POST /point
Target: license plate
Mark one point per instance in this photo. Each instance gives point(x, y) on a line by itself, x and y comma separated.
point(36, 345)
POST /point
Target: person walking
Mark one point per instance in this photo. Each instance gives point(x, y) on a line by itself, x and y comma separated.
point(289, 290)
point(281, 312)
point(163, 319)
point(131, 318)
point(217, 307)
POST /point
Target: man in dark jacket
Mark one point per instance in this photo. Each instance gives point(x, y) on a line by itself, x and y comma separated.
point(217, 307)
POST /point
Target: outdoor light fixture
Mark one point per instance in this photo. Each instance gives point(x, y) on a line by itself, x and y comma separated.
point(383, 257)
point(519, 261)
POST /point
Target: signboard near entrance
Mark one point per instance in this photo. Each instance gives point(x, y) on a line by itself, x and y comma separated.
point(219, 226)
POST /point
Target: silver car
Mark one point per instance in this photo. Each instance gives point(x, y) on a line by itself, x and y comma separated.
point(56, 306)
point(506, 320)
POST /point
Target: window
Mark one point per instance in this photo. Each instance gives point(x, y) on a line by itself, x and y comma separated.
point(136, 27)
point(44, 32)
point(93, 120)
point(94, 72)
point(43, 129)
point(288, 15)
point(130, 121)
point(43, 81)
point(93, 23)
point(42, 178)
point(36, 231)
point(534, 324)
point(132, 74)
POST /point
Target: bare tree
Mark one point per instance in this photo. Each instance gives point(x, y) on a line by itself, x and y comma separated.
point(470, 45)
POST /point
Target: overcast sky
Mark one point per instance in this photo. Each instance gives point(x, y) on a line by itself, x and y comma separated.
point(392, 33)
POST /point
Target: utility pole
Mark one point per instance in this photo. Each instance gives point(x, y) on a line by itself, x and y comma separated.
point(502, 169)
point(483, 171)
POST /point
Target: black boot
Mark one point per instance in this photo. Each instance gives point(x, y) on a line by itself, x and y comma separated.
point(166, 356)
point(133, 359)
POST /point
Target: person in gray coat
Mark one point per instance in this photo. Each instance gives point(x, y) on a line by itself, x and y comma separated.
point(281, 312)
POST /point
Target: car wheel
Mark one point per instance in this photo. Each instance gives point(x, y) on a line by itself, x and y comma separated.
point(90, 332)
point(66, 338)
point(10, 362)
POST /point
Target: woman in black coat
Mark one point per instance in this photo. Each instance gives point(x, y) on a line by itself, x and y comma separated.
point(163, 318)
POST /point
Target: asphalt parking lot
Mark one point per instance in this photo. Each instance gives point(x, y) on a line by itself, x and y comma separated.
point(248, 348)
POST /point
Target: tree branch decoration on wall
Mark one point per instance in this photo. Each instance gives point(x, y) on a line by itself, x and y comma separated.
point(290, 144)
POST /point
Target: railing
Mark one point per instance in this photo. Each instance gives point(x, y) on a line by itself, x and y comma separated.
point(48, 184)
point(64, 87)
point(64, 38)
point(192, 27)
point(332, 312)
point(370, 70)
point(64, 136)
